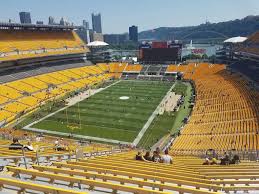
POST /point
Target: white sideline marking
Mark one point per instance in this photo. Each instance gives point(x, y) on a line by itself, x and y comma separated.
point(75, 135)
point(151, 118)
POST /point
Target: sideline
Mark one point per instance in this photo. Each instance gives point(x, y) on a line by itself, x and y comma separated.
point(151, 118)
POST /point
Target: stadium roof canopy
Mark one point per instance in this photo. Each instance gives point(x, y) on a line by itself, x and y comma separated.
point(97, 44)
point(237, 39)
point(17, 26)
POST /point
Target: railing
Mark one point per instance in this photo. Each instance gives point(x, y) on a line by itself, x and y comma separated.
point(249, 155)
point(22, 155)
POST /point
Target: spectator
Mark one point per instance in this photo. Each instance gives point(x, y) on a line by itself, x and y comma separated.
point(158, 150)
point(167, 159)
point(225, 159)
point(56, 143)
point(206, 162)
point(213, 161)
point(235, 160)
point(148, 156)
point(156, 157)
point(16, 145)
point(140, 156)
point(59, 145)
point(28, 147)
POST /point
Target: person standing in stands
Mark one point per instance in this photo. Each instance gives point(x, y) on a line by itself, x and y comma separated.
point(167, 159)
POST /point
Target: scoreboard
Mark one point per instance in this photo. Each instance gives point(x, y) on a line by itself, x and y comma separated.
point(160, 52)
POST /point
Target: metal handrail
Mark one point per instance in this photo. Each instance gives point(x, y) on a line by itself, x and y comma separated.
point(17, 148)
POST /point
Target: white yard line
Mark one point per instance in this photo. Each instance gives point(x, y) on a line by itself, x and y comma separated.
point(151, 118)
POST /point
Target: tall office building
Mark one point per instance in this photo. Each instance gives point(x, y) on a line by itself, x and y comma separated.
point(25, 17)
point(97, 23)
point(133, 33)
point(62, 22)
point(86, 24)
point(51, 20)
point(39, 22)
point(115, 39)
point(83, 33)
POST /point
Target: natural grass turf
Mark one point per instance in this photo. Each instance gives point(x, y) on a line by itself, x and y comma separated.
point(105, 115)
point(184, 110)
point(165, 124)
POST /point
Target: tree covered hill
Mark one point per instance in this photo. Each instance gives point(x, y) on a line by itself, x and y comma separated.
point(238, 27)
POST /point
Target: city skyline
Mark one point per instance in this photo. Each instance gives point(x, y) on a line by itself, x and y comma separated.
point(118, 15)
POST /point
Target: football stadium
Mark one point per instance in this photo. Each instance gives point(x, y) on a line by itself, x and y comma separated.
point(158, 125)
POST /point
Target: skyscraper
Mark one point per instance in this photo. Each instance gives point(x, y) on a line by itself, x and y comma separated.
point(83, 33)
point(86, 24)
point(133, 33)
point(97, 23)
point(39, 22)
point(51, 20)
point(115, 39)
point(62, 22)
point(25, 17)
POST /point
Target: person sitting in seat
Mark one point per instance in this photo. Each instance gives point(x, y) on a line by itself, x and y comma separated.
point(59, 146)
point(28, 147)
point(206, 162)
point(225, 160)
point(16, 145)
point(140, 156)
point(213, 161)
point(156, 157)
point(148, 156)
point(167, 159)
point(158, 150)
point(56, 143)
point(235, 160)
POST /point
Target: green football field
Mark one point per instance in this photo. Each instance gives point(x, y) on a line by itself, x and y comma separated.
point(105, 115)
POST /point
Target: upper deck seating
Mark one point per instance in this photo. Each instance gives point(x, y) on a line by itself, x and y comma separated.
point(19, 44)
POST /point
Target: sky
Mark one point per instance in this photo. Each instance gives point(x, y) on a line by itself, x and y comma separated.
point(118, 15)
